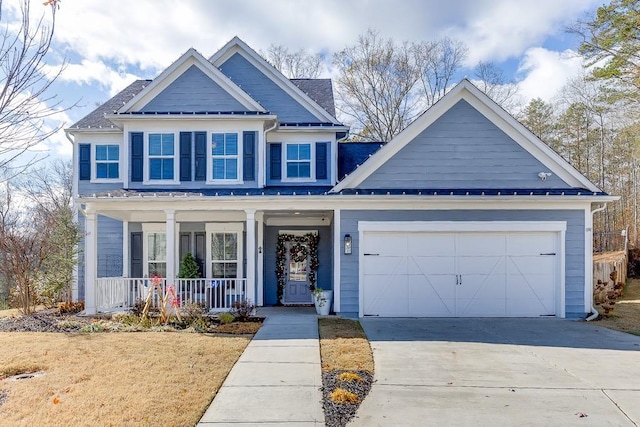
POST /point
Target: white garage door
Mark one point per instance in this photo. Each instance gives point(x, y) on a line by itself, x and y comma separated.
point(468, 274)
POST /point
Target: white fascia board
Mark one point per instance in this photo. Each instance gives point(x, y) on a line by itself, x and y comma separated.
point(98, 130)
point(465, 90)
point(236, 45)
point(332, 129)
point(169, 75)
point(121, 206)
point(201, 117)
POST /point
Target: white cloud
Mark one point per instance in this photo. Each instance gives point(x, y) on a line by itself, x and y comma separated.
point(96, 73)
point(546, 72)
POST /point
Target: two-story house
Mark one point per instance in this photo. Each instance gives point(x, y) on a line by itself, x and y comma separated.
point(465, 213)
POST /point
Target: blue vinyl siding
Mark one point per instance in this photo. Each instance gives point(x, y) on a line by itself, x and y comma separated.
point(109, 250)
point(325, 258)
point(266, 92)
point(574, 246)
point(462, 149)
point(193, 91)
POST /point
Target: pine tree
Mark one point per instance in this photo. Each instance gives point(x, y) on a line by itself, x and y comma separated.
point(188, 267)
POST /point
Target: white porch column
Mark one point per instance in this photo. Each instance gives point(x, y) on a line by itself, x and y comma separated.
point(260, 266)
point(337, 253)
point(170, 231)
point(125, 248)
point(251, 255)
point(90, 262)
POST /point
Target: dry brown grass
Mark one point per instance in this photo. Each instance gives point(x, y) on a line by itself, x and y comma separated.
point(344, 346)
point(239, 328)
point(341, 395)
point(14, 312)
point(626, 315)
point(131, 379)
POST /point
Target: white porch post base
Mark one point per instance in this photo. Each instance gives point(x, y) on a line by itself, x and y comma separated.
point(251, 255)
point(90, 261)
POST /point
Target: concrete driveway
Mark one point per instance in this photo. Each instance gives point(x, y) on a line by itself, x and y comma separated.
point(470, 372)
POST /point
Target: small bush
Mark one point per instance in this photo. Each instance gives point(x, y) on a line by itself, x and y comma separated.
point(226, 318)
point(70, 307)
point(349, 377)
point(242, 310)
point(137, 307)
point(340, 395)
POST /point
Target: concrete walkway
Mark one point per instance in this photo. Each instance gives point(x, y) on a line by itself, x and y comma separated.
point(277, 379)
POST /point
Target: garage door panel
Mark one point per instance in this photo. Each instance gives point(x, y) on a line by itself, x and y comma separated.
point(480, 244)
point(431, 244)
point(530, 243)
point(431, 296)
point(385, 265)
point(460, 274)
point(385, 244)
point(431, 265)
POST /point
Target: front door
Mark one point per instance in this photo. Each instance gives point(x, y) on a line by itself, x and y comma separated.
point(296, 290)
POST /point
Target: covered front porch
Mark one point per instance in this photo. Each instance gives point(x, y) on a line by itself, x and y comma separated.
point(235, 250)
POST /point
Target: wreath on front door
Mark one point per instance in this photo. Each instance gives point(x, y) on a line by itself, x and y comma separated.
point(299, 248)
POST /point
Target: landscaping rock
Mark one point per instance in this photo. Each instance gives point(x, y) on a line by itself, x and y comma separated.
point(339, 414)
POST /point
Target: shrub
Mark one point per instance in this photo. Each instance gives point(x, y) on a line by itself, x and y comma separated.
point(340, 395)
point(226, 318)
point(193, 314)
point(70, 307)
point(242, 310)
point(188, 267)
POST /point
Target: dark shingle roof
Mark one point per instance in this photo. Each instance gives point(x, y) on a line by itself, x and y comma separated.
point(352, 154)
point(320, 90)
point(96, 119)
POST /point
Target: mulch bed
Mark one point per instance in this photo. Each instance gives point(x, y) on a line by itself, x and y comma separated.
point(339, 414)
point(41, 321)
point(51, 320)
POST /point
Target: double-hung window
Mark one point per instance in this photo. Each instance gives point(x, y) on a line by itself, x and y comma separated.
point(107, 161)
point(298, 161)
point(161, 156)
point(157, 254)
point(224, 156)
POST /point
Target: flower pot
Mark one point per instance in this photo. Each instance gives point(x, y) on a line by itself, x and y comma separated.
point(323, 302)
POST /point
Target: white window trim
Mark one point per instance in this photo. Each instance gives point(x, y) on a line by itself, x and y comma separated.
point(210, 179)
point(94, 163)
point(150, 228)
point(176, 160)
point(312, 160)
point(237, 228)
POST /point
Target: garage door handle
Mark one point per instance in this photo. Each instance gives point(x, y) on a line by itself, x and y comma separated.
point(371, 254)
point(550, 253)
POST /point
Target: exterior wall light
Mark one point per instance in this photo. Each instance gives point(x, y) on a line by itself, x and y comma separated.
point(347, 244)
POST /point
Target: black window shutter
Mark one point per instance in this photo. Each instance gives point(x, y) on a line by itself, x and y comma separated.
point(136, 254)
point(185, 156)
point(84, 151)
point(249, 156)
point(137, 156)
point(275, 155)
point(201, 155)
point(321, 160)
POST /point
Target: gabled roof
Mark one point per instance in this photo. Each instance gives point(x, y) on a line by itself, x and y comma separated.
point(236, 45)
point(465, 90)
point(97, 120)
point(352, 154)
point(188, 59)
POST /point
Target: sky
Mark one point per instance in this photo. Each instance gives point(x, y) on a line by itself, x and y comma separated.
point(108, 44)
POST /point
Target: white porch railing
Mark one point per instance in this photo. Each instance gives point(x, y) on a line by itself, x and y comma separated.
point(120, 293)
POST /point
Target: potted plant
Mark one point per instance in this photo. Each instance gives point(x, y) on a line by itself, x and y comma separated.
point(322, 300)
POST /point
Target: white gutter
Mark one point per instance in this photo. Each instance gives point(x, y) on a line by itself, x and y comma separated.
point(594, 313)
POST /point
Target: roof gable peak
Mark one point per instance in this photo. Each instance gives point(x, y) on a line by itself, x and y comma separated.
point(190, 58)
point(237, 45)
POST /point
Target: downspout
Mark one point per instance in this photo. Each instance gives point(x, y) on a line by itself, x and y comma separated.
point(594, 313)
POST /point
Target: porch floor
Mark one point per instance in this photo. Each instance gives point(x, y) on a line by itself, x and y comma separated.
point(279, 374)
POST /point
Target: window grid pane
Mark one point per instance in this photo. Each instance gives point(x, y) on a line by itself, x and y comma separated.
point(161, 156)
point(298, 164)
point(107, 161)
point(224, 153)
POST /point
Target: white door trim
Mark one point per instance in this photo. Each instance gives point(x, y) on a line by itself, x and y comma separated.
point(559, 227)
